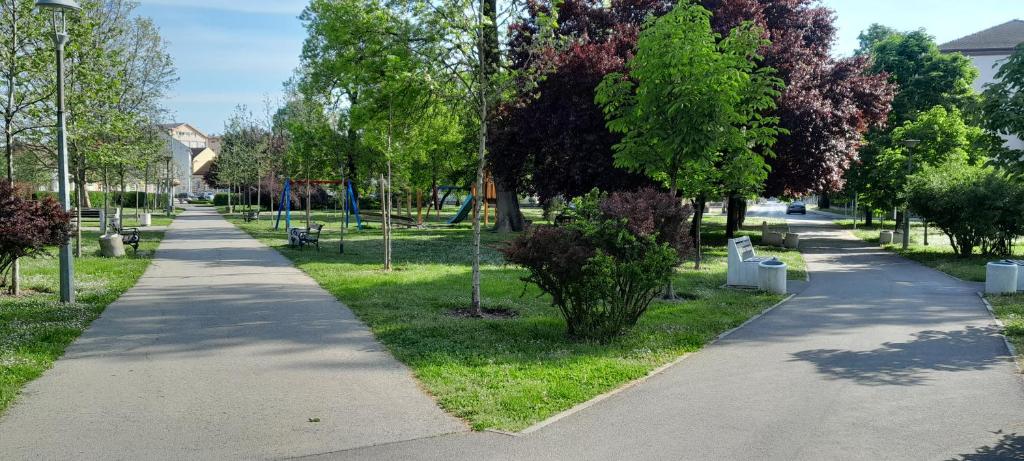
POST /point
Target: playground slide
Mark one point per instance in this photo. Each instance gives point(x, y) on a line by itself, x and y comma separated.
point(467, 207)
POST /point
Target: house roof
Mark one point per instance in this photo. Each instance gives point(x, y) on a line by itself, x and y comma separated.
point(1002, 38)
point(172, 126)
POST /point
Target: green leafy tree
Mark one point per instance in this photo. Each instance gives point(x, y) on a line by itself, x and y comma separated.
point(690, 108)
point(1004, 109)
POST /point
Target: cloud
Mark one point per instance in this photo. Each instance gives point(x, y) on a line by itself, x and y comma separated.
point(280, 7)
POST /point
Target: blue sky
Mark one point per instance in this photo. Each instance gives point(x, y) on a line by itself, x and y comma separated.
point(231, 52)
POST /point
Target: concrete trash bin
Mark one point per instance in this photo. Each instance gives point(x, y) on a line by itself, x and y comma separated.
point(771, 276)
point(1020, 272)
point(111, 245)
point(772, 238)
point(1000, 278)
point(145, 220)
point(792, 240)
point(885, 237)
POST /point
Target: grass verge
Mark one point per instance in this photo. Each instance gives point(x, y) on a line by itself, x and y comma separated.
point(35, 328)
point(508, 374)
point(1010, 309)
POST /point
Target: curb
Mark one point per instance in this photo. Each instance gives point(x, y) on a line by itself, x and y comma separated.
point(1002, 328)
point(657, 371)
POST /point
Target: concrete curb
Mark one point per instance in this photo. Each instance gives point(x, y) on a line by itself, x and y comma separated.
point(657, 371)
point(1002, 327)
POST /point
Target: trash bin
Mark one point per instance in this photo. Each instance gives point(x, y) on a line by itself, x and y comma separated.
point(145, 220)
point(1020, 272)
point(885, 237)
point(111, 246)
point(772, 238)
point(792, 240)
point(1000, 278)
point(771, 276)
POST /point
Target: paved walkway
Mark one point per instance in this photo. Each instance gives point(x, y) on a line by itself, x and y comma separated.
point(222, 351)
point(878, 358)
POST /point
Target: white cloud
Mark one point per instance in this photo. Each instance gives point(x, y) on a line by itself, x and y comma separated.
point(288, 7)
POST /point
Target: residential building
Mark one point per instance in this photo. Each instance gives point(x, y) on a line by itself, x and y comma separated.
point(988, 49)
point(193, 153)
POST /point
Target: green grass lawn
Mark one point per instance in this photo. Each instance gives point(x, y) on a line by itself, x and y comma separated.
point(1010, 309)
point(508, 373)
point(35, 328)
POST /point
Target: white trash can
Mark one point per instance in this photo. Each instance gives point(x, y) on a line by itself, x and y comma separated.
point(145, 220)
point(885, 237)
point(1020, 272)
point(792, 240)
point(1000, 278)
point(771, 276)
point(773, 239)
point(111, 246)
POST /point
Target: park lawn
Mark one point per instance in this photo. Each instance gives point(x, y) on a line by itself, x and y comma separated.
point(35, 328)
point(506, 374)
point(1010, 309)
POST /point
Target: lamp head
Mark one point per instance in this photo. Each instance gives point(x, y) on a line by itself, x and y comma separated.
point(911, 143)
point(58, 5)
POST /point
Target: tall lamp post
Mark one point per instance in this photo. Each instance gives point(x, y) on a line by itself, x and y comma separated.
point(60, 38)
point(910, 143)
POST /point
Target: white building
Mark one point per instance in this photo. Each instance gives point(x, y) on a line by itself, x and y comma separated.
point(193, 153)
point(987, 50)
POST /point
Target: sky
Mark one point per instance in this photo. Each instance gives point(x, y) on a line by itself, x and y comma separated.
point(231, 52)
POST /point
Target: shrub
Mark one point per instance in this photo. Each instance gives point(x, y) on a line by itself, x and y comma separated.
point(975, 206)
point(27, 227)
point(604, 269)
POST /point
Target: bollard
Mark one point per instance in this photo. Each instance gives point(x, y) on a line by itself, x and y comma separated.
point(1000, 278)
point(771, 276)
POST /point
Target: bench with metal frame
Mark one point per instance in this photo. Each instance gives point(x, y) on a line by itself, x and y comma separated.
point(300, 237)
point(130, 236)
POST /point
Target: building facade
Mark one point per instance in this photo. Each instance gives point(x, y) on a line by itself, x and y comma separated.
point(192, 155)
point(988, 49)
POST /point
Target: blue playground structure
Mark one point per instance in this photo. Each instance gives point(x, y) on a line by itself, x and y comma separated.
point(467, 207)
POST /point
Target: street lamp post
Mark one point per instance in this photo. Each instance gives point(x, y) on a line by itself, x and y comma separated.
point(910, 143)
point(60, 38)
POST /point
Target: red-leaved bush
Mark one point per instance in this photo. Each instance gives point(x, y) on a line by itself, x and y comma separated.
point(27, 227)
point(650, 212)
point(605, 267)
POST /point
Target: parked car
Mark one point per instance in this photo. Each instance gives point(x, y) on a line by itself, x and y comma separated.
point(208, 196)
point(796, 207)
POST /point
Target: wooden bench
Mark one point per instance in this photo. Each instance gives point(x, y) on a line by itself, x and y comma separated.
point(300, 237)
point(88, 214)
point(743, 263)
point(130, 236)
point(250, 216)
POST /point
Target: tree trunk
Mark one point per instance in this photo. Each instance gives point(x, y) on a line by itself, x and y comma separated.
point(508, 217)
point(230, 209)
point(670, 292)
point(698, 219)
point(120, 205)
point(824, 200)
point(732, 215)
point(869, 217)
point(15, 288)
point(106, 200)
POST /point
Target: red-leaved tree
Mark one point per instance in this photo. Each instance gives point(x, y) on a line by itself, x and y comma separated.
point(828, 104)
point(556, 135)
point(27, 227)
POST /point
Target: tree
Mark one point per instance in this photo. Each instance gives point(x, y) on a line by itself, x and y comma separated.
point(691, 107)
point(924, 77)
point(28, 227)
point(531, 150)
point(828, 104)
point(1004, 109)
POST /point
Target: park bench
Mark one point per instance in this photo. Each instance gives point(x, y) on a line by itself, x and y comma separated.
point(300, 237)
point(743, 263)
point(88, 214)
point(130, 236)
point(250, 216)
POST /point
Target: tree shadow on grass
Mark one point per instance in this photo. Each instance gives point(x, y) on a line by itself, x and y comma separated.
point(908, 363)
